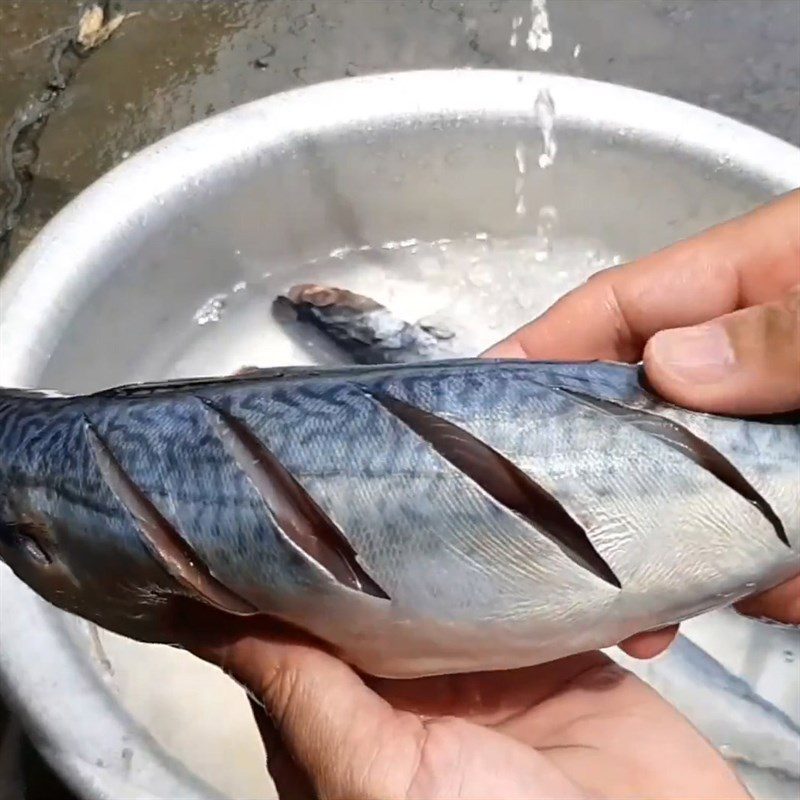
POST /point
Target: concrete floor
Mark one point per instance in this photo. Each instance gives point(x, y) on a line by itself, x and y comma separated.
point(178, 61)
point(175, 62)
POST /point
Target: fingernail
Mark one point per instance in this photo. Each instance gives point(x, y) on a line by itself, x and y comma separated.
point(700, 354)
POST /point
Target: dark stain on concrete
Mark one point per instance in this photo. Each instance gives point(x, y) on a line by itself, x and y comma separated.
point(19, 143)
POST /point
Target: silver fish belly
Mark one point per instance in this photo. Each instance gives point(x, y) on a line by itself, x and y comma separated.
point(437, 517)
point(749, 731)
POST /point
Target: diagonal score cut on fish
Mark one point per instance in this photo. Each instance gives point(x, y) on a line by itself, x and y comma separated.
point(434, 517)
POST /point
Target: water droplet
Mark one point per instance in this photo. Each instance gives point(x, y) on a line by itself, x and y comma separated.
point(539, 36)
point(546, 225)
point(548, 219)
point(576, 50)
point(482, 236)
point(544, 111)
point(240, 286)
point(788, 656)
point(515, 24)
point(595, 261)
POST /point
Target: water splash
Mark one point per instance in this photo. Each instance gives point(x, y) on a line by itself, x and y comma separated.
point(399, 244)
point(540, 37)
point(545, 228)
point(519, 191)
point(519, 182)
point(515, 25)
point(211, 310)
point(544, 111)
point(480, 274)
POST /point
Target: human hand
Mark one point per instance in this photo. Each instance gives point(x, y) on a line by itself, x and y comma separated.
point(716, 321)
point(581, 727)
point(577, 729)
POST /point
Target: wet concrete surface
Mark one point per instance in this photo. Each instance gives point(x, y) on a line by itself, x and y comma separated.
point(173, 63)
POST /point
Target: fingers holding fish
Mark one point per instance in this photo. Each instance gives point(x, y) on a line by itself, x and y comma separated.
point(780, 604)
point(649, 644)
point(320, 708)
point(745, 362)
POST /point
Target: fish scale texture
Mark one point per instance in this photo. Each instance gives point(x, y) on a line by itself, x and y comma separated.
point(470, 581)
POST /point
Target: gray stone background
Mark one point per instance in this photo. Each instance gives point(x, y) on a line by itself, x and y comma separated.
point(174, 62)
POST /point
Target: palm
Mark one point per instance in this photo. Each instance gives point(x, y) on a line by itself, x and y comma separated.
point(559, 730)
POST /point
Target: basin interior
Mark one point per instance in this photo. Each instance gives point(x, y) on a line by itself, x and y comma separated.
point(306, 210)
point(447, 216)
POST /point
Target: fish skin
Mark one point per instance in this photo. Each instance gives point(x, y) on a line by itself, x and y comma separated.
point(746, 728)
point(357, 328)
point(472, 585)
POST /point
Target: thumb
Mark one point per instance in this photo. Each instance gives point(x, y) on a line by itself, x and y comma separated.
point(747, 362)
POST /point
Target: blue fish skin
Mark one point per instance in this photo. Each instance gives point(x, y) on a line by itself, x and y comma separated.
point(446, 575)
point(749, 730)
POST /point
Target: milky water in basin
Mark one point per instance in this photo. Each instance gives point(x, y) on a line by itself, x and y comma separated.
point(478, 288)
point(406, 188)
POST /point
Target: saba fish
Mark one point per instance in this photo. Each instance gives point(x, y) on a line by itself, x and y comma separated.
point(458, 515)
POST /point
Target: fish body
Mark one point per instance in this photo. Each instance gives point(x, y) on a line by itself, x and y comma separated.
point(427, 518)
point(358, 328)
point(746, 728)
